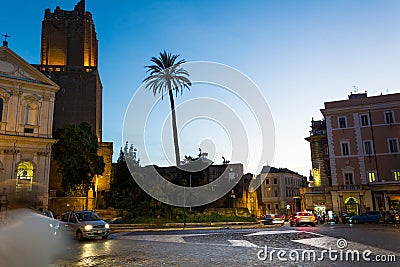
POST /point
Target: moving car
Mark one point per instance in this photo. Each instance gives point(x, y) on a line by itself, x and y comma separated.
point(303, 218)
point(331, 218)
point(393, 218)
point(369, 216)
point(84, 225)
point(347, 216)
point(273, 219)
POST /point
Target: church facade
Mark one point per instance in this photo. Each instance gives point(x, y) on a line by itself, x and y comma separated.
point(26, 121)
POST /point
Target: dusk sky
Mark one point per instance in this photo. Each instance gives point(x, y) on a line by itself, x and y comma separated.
point(299, 53)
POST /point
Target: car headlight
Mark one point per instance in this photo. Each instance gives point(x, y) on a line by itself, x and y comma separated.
point(88, 227)
point(107, 226)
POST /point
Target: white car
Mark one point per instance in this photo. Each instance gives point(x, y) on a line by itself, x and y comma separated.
point(84, 225)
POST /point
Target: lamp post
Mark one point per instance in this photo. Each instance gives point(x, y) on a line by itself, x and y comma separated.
point(184, 203)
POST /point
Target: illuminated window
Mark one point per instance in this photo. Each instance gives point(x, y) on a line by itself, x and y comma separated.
point(371, 177)
point(364, 120)
point(24, 176)
point(393, 145)
point(317, 176)
point(389, 117)
point(396, 175)
point(348, 178)
point(342, 122)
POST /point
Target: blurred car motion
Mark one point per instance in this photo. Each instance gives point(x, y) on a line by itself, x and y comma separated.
point(273, 219)
point(303, 218)
point(84, 225)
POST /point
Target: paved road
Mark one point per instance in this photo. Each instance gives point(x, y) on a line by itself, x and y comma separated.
point(242, 247)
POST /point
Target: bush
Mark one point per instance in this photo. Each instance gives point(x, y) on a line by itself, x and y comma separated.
point(190, 218)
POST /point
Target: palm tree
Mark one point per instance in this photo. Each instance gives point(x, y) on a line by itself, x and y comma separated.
point(168, 75)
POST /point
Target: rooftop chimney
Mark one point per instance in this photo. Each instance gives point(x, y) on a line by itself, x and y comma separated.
point(358, 95)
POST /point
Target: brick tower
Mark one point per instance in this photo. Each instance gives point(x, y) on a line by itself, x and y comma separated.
point(69, 57)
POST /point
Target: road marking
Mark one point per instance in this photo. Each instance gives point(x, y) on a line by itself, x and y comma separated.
point(160, 238)
point(274, 232)
point(242, 243)
point(327, 242)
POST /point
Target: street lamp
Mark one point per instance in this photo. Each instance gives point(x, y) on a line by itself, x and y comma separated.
point(233, 196)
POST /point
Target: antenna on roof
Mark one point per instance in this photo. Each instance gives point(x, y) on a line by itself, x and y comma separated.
point(355, 87)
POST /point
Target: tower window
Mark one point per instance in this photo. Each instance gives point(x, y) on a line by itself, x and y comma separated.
point(389, 117)
point(364, 120)
point(371, 177)
point(393, 145)
point(345, 148)
point(348, 178)
point(368, 147)
point(396, 175)
point(342, 122)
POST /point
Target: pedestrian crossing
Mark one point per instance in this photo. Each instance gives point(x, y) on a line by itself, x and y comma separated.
point(245, 240)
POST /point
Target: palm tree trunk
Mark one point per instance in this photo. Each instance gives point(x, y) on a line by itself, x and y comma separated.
point(174, 129)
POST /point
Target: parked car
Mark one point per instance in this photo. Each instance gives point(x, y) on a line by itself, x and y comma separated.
point(273, 219)
point(84, 225)
point(369, 216)
point(303, 218)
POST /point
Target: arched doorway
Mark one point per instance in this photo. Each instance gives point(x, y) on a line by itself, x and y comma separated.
point(352, 206)
point(24, 176)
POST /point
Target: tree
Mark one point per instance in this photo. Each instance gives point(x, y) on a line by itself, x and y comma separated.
point(168, 75)
point(126, 194)
point(124, 191)
point(77, 159)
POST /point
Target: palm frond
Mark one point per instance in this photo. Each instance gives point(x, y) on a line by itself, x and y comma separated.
point(166, 74)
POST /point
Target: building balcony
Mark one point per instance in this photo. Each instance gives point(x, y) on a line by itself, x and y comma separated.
point(312, 190)
point(63, 68)
point(350, 187)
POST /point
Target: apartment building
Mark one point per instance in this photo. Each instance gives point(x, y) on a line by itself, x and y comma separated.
point(280, 190)
point(364, 157)
point(363, 136)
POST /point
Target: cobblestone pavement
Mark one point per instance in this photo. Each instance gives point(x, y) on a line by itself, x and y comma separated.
point(239, 247)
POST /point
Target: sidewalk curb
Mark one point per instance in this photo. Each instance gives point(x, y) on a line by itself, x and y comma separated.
point(115, 228)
